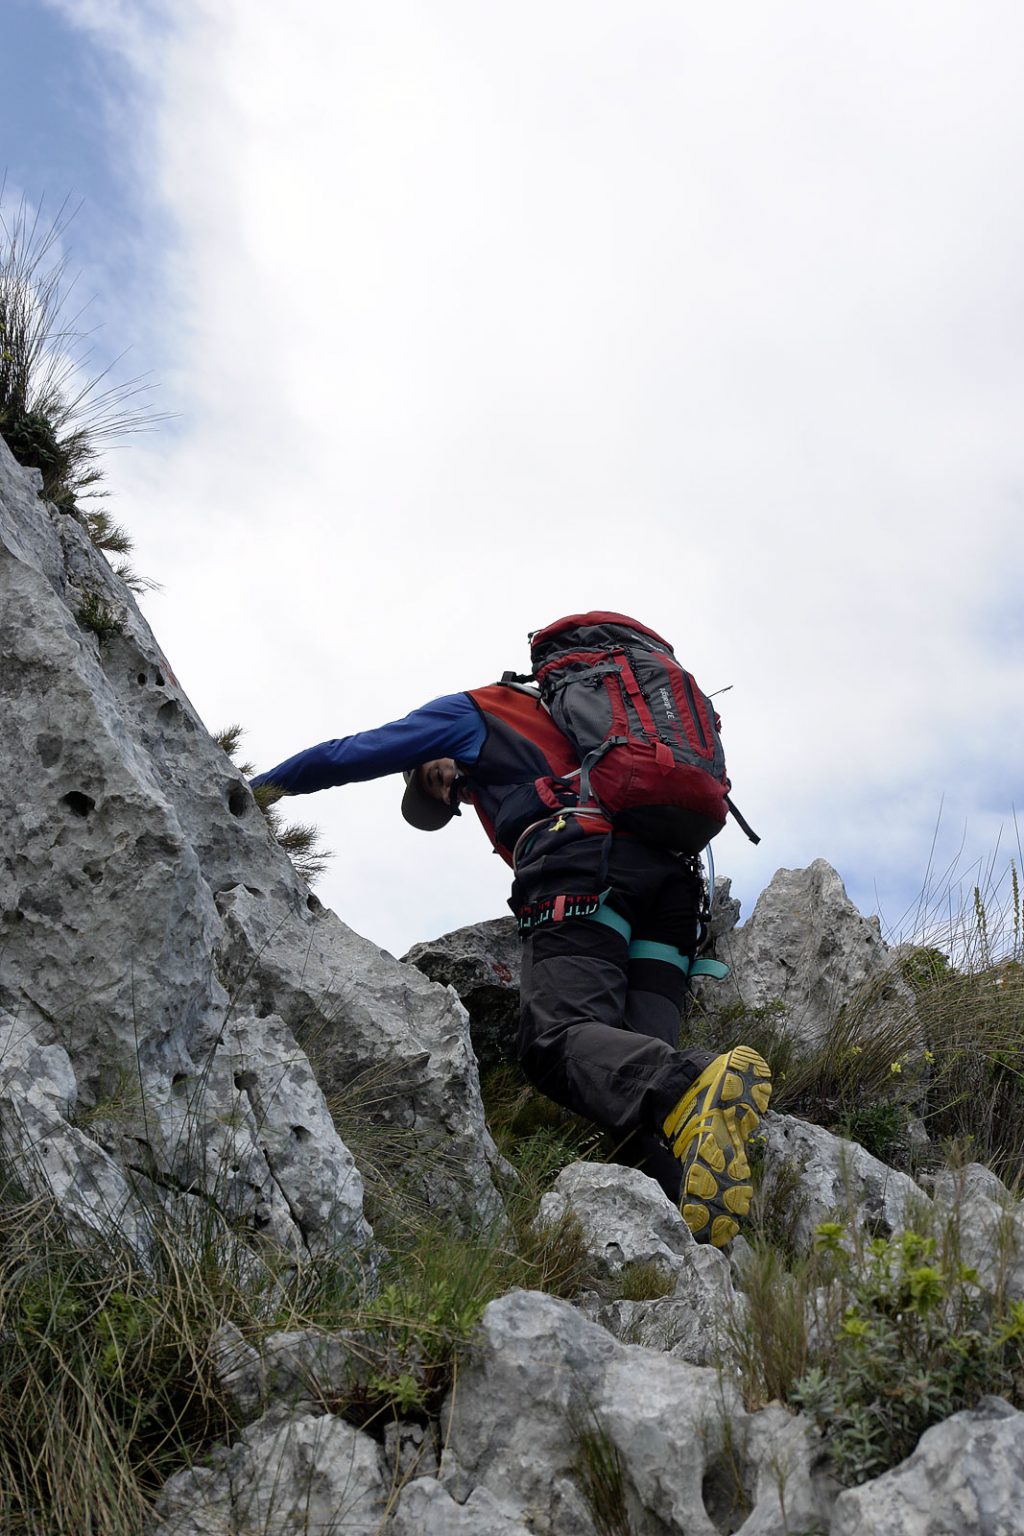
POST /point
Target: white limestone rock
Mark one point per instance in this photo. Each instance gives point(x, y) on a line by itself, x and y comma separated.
point(409, 1451)
point(152, 929)
point(301, 1366)
point(541, 1379)
point(364, 1016)
point(974, 1181)
point(38, 1093)
point(425, 1509)
point(985, 1225)
point(290, 1471)
point(807, 947)
point(823, 1177)
point(628, 1219)
point(966, 1478)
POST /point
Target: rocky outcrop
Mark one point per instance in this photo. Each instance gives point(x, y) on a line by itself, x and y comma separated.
point(807, 948)
point(188, 1036)
point(482, 963)
point(966, 1478)
point(159, 956)
point(815, 1176)
point(288, 1472)
point(986, 1224)
point(552, 1413)
point(630, 1224)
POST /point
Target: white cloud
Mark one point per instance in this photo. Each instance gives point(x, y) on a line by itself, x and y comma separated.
point(478, 315)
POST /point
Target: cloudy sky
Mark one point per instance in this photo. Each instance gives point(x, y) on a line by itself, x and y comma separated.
point(470, 315)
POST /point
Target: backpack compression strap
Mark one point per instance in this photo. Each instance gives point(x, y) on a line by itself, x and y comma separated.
point(747, 828)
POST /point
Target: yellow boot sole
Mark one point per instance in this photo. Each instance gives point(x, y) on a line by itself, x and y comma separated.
point(708, 1131)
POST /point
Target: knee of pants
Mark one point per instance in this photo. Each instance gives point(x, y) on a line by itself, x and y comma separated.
point(544, 1069)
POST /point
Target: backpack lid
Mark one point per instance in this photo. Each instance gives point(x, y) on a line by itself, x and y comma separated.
point(598, 616)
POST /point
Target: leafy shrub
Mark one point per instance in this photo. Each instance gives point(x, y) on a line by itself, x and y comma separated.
point(874, 1339)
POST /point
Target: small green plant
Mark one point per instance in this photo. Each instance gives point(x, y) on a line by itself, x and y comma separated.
point(915, 1342)
point(95, 613)
point(881, 1127)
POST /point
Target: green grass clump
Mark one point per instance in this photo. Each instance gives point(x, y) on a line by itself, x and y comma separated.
point(601, 1474)
point(973, 1022)
point(645, 1281)
point(96, 615)
point(106, 1386)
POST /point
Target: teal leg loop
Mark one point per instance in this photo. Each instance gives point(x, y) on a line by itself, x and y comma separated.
point(713, 968)
point(668, 954)
point(610, 919)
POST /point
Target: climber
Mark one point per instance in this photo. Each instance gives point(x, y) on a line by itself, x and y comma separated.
point(609, 924)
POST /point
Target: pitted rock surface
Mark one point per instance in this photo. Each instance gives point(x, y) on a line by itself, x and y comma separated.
point(52, 1156)
point(806, 947)
point(627, 1220)
point(153, 931)
point(542, 1381)
point(288, 1472)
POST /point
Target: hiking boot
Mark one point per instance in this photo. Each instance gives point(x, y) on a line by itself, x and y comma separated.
point(708, 1132)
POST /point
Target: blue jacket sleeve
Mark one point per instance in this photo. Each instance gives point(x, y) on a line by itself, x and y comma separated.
point(451, 726)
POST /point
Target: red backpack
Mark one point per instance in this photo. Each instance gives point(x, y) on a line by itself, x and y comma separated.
point(647, 738)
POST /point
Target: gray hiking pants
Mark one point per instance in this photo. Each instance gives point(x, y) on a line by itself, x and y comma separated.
point(600, 1018)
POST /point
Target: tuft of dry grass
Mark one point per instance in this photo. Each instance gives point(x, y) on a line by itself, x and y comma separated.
point(58, 410)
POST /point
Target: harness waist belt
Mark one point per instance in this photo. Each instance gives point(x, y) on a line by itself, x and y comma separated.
point(555, 909)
